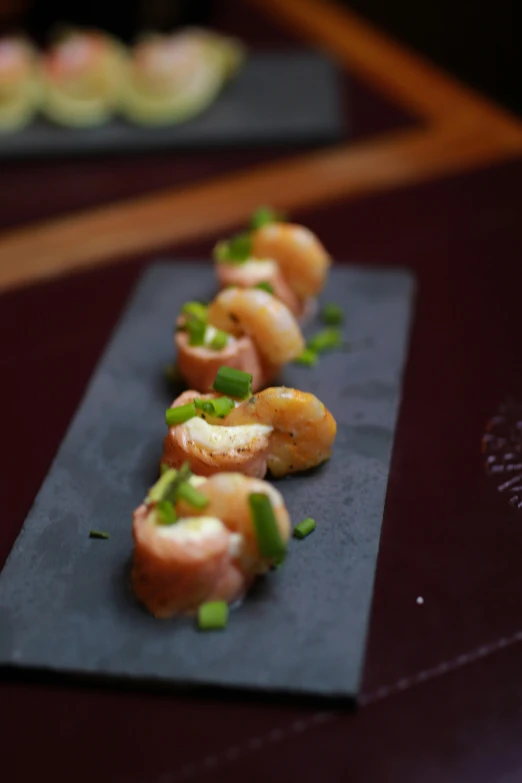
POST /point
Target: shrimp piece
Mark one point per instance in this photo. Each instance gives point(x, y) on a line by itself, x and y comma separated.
point(210, 448)
point(301, 257)
point(279, 429)
point(208, 555)
point(254, 271)
point(264, 318)
point(228, 495)
point(303, 429)
point(198, 364)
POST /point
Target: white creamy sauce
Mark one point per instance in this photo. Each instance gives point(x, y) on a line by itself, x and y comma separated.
point(215, 437)
point(191, 530)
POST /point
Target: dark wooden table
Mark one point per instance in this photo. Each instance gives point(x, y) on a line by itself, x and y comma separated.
point(442, 693)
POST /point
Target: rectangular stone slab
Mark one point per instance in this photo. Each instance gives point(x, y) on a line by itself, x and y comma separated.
point(65, 601)
point(277, 98)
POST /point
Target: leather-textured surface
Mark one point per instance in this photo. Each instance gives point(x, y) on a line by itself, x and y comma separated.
point(65, 600)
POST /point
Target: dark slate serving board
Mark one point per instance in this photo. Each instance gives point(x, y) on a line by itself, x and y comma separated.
point(286, 97)
point(65, 601)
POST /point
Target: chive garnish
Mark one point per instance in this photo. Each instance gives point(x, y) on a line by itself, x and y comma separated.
point(196, 310)
point(98, 534)
point(166, 513)
point(263, 216)
point(166, 486)
point(196, 331)
point(219, 341)
point(325, 340)
point(308, 358)
point(235, 250)
point(332, 315)
point(191, 495)
point(180, 414)
point(220, 407)
point(264, 285)
point(163, 467)
point(304, 528)
point(233, 383)
point(213, 616)
point(270, 543)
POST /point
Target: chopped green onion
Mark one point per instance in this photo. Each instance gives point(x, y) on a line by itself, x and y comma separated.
point(163, 468)
point(264, 285)
point(270, 543)
point(166, 486)
point(180, 414)
point(219, 341)
point(332, 314)
point(190, 495)
point(196, 330)
point(263, 217)
point(308, 358)
point(213, 616)
point(326, 340)
point(172, 373)
point(166, 514)
point(235, 250)
point(196, 310)
point(304, 528)
point(220, 407)
point(98, 534)
point(233, 383)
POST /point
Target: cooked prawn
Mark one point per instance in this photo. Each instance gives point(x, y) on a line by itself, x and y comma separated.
point(254, 271)
point(279, 429)
point(209, 448)
point(303, 429)
point(300, 255)
point(206, 556)
point(262, 335)
point(257, 313)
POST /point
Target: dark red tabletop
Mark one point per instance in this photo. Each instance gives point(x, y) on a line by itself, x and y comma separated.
point(442, 692)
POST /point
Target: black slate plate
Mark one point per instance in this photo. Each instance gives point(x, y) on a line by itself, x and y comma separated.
point(65, 601)
point(276, 98)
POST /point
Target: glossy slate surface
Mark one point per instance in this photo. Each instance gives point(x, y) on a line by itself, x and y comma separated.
point(280, 97)
point(65, 603)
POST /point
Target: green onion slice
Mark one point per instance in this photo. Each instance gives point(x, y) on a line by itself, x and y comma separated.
point(263, 216)
point(220, 407)
point(233, 383)
point(98, 534)
point(166, 486)
point(213, 616)
point(269, 541)
point(235, 250)
point(166, 514)
point(180, 414)
point(219, 341)
point(332, 315)
point(326, 340)
point(196, 331)
point(264, 285)
point(304, 528)
point(308, 358)
point(196, 310)
point(192, 496)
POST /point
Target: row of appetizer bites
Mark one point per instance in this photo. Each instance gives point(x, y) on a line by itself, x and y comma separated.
point(270, 277)
point(86, 76)
point(207, 541)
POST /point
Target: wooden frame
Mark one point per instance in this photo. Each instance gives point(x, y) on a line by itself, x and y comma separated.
point(459, 130)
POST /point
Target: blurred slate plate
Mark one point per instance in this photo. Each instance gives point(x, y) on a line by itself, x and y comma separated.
point(65, 601)
point(275, 98)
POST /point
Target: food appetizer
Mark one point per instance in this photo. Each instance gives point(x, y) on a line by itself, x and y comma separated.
point(199, 543)
point(287, 258)
point(19, 86)
point(82, 76)
point(246, 329)
point(280, 430)
point(171, 78)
